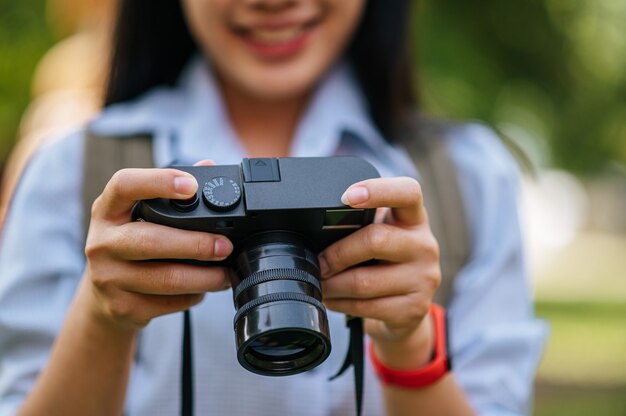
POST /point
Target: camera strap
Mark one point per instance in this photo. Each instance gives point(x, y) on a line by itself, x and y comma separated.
point(186, 370)
point(355, 358)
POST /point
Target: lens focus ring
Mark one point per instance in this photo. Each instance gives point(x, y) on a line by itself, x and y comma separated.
point(274, 274)
point(275, 297)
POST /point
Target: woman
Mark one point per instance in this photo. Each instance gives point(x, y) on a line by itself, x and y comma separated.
point(256, 78)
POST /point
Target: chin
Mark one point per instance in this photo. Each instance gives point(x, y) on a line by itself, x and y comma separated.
point(280, 86)
point(276, 93)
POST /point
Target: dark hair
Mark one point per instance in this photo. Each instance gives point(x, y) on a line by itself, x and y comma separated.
point(152, 44)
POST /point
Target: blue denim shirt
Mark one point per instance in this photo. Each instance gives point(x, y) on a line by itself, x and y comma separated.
point(496, 342)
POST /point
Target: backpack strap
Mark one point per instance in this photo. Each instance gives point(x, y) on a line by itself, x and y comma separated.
point(103, 156)
point(424, 142)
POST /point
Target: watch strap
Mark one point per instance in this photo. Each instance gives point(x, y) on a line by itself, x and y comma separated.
point(422, 377)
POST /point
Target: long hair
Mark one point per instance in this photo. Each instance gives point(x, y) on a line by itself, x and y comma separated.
point(152, 44)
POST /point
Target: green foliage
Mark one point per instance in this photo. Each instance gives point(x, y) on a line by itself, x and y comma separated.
point(24, 37)
point(543, 71)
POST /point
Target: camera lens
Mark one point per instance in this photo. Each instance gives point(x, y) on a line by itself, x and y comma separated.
point(281, 326)
point(281, 345)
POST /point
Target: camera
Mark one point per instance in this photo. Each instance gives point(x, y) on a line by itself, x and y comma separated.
point(279, 214)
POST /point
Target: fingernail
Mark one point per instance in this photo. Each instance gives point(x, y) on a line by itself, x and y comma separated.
point(355, 196)
point(324, 269)
point(223, 248)
point(205, 162)
point(185, 185)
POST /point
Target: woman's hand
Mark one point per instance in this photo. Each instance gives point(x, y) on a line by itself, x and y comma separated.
point(394, 295)
point(125, 287)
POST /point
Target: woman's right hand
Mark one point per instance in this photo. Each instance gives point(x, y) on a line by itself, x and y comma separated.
point(123, 286)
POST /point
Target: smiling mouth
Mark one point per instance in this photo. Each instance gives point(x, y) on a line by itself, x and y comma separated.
point(276, 36)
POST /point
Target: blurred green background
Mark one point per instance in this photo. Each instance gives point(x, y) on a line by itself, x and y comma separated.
point(551, 76)
point(24, 37)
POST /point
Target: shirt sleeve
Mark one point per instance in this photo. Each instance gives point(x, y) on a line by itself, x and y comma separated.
point(41, 262)
point(496, 342)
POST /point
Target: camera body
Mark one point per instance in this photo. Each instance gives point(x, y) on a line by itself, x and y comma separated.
point(301, 195)
point(279, 213)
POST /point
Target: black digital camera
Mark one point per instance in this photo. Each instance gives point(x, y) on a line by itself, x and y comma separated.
point(279, 214)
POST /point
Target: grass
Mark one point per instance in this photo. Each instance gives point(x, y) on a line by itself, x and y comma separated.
point(558, 400)
point(587, 342)
point(583, 371)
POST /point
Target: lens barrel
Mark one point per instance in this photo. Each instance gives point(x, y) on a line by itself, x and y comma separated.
point(281, 327)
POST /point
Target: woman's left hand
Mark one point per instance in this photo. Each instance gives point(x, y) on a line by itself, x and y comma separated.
point(393, 295)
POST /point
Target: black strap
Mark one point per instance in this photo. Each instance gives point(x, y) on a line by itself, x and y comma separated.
point(354, 357)
point(186, 373)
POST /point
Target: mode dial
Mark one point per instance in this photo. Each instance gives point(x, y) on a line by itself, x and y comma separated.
point(221, 193)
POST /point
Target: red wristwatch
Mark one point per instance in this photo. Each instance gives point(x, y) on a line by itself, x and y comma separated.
point(439, 366)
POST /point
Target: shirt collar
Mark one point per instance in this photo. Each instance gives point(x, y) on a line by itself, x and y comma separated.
point(189, 121)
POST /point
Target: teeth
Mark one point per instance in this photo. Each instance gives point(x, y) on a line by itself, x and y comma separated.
point(275, 36)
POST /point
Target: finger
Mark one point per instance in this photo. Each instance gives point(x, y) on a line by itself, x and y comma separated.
point(157, 278)
point(372, 282)
point(145, 241)
point(403, 194)
point(130, 185)
point(205, 162)
point(376, 241)
point(158, 305)
point(138, 308)
point(382, 214)
point(393, 310)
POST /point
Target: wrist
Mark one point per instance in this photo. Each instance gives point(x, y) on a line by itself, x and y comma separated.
point(413, 351)
point(418, 376)
point(92, 311)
